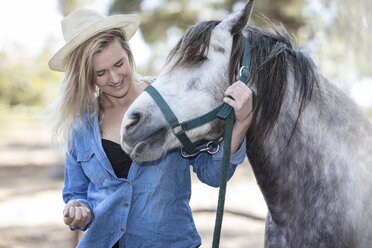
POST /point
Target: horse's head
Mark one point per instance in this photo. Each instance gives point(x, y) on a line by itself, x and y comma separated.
point(193, 82)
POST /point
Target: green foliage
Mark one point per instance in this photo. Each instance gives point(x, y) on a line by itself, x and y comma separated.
point(340, 30)
point(350, 28)
point(66, 6)
point(26, 80)
point(346, 38)
point(131, 6)
point(286, 12)
point(181, 14)
point(164, 21)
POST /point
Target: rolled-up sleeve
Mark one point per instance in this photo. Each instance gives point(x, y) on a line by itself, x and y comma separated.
point(76, 185)
point(208, 167)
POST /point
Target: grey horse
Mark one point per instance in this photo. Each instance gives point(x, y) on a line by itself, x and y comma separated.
point(309, 145)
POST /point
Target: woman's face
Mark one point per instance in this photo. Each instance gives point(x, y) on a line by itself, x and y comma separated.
point(112, 69)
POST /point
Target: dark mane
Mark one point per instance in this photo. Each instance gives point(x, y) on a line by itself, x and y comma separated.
point(193, 45)
point(272, 54)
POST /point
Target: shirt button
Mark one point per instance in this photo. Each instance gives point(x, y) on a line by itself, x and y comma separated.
point(126, 205)
point(128, 183)
point(85, 157)
point(122, 229)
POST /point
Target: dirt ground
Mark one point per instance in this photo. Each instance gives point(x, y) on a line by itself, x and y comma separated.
point(31, 179)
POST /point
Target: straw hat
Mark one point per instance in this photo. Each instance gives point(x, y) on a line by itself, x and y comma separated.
point(82, 24)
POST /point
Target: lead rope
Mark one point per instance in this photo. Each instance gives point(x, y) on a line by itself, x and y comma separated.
point(223, 179)
point(228, 113)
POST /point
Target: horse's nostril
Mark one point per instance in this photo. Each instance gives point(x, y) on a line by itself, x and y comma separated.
point(133, 119)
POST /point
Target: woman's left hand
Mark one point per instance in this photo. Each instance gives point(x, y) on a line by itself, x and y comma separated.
point(243, 106)
point(241, 102)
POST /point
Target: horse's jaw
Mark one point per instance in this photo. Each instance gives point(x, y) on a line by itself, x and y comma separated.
point(145, 151)
point(146, 135)
point(153, 139)
point(146, 141)
point(146, 148)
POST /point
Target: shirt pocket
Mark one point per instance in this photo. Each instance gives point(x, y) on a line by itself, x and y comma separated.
point(92, 168)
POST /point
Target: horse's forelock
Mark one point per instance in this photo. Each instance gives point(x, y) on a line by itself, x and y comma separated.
point(193, 46)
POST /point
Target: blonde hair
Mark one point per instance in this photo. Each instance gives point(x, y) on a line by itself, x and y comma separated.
point(79, 94)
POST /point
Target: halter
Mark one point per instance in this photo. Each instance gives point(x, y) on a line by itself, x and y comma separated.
point(224, 112)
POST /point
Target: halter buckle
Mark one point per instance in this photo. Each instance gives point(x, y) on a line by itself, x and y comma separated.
point(177, 129)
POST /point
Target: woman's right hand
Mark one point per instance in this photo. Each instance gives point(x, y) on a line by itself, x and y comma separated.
point(76, 214)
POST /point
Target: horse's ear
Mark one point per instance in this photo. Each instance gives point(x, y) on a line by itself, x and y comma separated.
point(237, 21)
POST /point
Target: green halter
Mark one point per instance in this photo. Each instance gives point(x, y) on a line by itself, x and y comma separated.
point(222, 111)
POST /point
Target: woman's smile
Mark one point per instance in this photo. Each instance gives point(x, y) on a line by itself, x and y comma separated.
point(118, 85)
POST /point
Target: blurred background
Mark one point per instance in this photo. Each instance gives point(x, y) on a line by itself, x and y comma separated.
point(336, 33)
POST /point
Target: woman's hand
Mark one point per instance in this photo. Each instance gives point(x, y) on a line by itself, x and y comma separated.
point(76, 214)
point(242, 105)
point(241, 102)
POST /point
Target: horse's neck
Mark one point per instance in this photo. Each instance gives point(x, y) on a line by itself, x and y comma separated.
point(319, 148)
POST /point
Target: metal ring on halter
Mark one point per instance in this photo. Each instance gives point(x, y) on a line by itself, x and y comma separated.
point(216, 147)
point(185, 155)
point(214, 144)
point(241, 70)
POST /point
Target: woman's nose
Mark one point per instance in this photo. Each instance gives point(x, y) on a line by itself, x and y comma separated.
point(114, 77)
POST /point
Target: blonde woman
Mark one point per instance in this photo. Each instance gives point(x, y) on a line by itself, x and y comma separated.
point(120, 202)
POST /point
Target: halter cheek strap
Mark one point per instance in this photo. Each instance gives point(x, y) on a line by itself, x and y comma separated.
point(228, 113)
point(244, 75)
point(178, 129)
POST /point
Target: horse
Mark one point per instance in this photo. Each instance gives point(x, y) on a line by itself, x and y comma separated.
point(309, 145)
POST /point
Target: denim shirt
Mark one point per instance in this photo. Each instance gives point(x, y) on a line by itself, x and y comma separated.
point(148, 209)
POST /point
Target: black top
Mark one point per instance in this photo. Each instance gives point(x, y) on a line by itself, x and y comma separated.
point(120, 161)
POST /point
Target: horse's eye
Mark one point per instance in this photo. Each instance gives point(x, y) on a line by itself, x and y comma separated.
point(219, 49)
point(203, 59)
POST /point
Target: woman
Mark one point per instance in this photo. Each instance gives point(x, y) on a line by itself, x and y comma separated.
point(120, 202)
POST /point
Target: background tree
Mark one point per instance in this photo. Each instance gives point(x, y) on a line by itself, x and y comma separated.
point(164, 23)
point(336, 33)
point(181, 14)
point(66, 6)
point(27, 80)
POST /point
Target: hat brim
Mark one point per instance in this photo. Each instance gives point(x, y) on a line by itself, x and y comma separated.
point(129, 23)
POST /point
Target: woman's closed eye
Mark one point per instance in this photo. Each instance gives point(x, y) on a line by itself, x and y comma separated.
point(100, 73)
point(119, 64)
